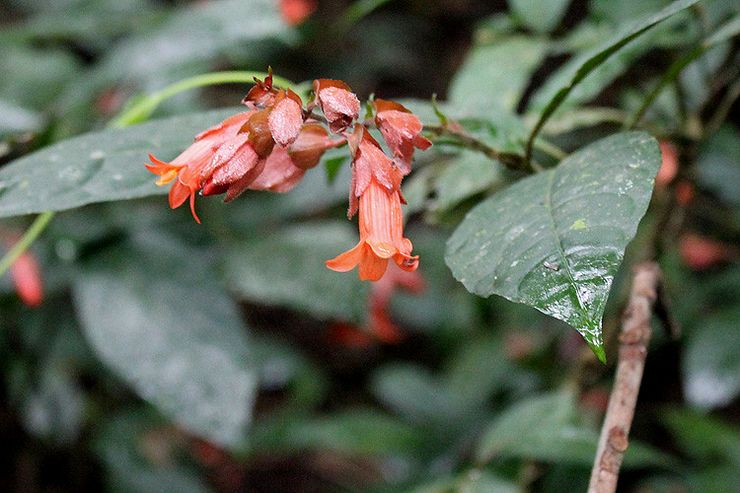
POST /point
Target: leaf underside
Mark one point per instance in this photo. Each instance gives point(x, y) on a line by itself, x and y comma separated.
point(555, 240)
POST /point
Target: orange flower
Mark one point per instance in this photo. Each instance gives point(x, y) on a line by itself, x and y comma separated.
point(401, 129)
point(220, 160)
point(376, 182)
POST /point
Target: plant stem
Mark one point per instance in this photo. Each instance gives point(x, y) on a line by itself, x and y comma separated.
point(142, 109)
point(39, 224)
point(510, 160)
point(633, 342)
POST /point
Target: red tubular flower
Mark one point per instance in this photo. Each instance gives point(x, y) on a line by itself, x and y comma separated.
point(376, 182)
point(401, 129)
point(339, 104)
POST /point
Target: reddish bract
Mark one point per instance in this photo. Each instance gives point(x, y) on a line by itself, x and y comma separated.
point(339, 104)
point(401, 129)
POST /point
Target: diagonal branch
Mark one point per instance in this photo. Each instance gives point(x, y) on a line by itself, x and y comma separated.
point(633, 343)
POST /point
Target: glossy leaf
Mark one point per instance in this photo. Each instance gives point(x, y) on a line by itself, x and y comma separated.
point(555, 240)
point(97, 167)
point(162, 324)
point(493, 77)
point(286, 268)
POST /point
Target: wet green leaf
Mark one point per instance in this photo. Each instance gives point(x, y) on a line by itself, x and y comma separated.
point(97, 167)
point(555, 240)
point(163, 324)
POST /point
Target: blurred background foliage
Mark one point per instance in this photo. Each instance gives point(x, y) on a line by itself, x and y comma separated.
point(167, 356)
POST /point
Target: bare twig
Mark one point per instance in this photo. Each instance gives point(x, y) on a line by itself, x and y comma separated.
point(633, 343)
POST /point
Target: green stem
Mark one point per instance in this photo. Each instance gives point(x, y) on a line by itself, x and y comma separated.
point(38, 226)
point(142, 109)
point(669, 76)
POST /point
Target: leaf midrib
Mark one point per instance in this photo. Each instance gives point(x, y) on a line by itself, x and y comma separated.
point(558, 243)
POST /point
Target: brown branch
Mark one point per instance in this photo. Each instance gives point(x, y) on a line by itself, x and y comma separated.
point(633, 343)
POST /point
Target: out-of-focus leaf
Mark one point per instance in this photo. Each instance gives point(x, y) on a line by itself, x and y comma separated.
point(557, 89)
point(617, 11)
point(474, 481)
point(415, 393)
point(286, 268)
point(547, 428)
point(464, 176)
point(199, 32)
point(555, 240)
point(16, 119)
point(542, 16)
point(33, 78)
point(711, 366)
point(493, 77)
point(717, 166)
point(156, 316)
point(364, 432)
point(97, 167)
point(703, 437)
point(137, 451)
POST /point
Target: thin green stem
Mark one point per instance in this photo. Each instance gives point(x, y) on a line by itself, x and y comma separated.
point(38, 226)
point(142, 109)
point(510, 160)
point(550, 149)
point(669, 76)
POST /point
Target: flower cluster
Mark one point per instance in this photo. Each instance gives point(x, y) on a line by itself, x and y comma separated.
point(272, 144)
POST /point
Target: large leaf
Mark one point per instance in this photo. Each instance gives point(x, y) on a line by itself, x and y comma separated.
point(593, 58)
point(555, 240)
point(162, 323)
point(97, 167)
point(493, 77)
point(286, 268)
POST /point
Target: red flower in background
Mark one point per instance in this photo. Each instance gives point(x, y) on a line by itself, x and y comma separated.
point(25, 273)
point(294, 12)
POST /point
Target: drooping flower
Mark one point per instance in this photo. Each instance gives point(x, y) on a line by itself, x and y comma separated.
point(339, 104)
point(222, 159)
point(401, 130)
point(375, 189)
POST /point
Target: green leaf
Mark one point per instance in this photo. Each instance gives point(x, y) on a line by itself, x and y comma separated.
point(97, 167)
point(593, 58)
point(286, 268)
point(548, 428)
point(541, 16)
point(710, 365)
point(705, 438)
point(360, 431)
point(555, 240)
point(121, 445)
point(155, 315)
point(493, 77)
point(465, 175)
